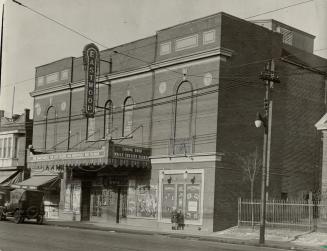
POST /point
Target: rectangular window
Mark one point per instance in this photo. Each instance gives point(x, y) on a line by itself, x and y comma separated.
point(40, 81)
point(64, 75)
point(287, 35)
point(1, 147)
point(4, 154)
point(51, 78)
point(186, 42)
point(209, 37)
point(9, 148)
point(165, 48)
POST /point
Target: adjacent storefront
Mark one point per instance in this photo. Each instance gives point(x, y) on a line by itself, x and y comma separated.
point(109, 184)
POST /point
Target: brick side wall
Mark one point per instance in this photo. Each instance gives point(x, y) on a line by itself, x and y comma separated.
point(241, 95)
point(298, 105)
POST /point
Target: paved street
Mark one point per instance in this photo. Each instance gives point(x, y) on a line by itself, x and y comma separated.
point(32, 237)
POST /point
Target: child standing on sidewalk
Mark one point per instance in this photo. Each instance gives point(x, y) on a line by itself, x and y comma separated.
point(174, 216)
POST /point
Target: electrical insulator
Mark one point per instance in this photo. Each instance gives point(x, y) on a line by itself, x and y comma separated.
point(266, 104)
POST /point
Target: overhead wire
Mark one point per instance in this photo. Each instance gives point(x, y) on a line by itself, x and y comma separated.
point(133, 57)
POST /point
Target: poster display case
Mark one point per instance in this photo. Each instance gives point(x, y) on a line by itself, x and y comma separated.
point(141, 200)
point(181, 190)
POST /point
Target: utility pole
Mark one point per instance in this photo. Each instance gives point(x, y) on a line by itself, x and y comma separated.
point(269, 77)
point(13, 100)
point(3, 14)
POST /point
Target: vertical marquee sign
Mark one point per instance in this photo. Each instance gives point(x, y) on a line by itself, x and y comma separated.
point(91, 60)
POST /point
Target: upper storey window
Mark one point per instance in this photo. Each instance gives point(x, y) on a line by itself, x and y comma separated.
point(186, 42)
point(128, 116)
point(287, 35)
point(108, 119)
point(183, 110)
point(165, 48)
point(50, 129)
point(209, 37)
point(6, 147)
point(51, 78)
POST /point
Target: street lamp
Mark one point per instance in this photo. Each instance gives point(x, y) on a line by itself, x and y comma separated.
point(259, 121)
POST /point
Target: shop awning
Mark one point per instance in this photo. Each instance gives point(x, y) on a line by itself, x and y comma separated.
point(6, 176)
point(36, 181)
point(115, 156)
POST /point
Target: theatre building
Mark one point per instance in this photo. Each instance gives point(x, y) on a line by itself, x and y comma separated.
point(161, 120)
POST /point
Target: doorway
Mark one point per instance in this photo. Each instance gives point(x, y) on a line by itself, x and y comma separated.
point(109, 201)
point(85, 200)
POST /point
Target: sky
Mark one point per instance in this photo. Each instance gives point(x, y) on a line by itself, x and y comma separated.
point(31, 40)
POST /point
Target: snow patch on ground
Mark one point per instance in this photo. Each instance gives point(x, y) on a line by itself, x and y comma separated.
point(300, 238)
point(312, 239)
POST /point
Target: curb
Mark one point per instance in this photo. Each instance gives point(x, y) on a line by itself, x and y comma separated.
point(253, 243)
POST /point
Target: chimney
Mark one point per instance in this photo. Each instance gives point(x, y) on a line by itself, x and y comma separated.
point(15, 116)
point(27, 114)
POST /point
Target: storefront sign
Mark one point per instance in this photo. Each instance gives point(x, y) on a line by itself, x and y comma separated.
point(129, 152)
point(91, 61)
point(68, 156)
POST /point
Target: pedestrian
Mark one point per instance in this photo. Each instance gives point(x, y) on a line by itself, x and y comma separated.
point(180, 220)
point(174, 219)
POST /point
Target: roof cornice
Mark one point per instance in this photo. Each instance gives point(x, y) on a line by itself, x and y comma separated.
point(218, 51)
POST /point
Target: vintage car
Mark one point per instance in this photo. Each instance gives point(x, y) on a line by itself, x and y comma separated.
point(24, 204)
point(4, 195)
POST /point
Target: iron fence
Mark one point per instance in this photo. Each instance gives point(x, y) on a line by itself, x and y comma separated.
point(286, 214)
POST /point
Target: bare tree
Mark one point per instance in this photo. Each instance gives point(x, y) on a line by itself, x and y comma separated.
point(251, 164)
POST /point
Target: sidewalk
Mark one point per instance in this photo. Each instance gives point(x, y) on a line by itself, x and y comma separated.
point(276, 238)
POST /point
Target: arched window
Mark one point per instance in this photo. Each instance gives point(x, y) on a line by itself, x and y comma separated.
point(128, 116)
point(183, 111)
point(50, 138)
point(108, 119)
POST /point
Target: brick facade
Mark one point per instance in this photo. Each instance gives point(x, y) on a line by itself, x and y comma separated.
point(195, 90)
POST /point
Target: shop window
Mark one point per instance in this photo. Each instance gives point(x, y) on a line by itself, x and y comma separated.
point(73, 196)
point(183, 111)
point(141, 200)
point(128, 116)
point(50, 129)
point(184, 193)
point(108, 119)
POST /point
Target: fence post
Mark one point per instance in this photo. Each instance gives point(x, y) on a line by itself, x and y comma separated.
point(239, 212)
point(310, 214)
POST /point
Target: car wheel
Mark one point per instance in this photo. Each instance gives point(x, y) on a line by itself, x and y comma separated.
point(39, 219)
point(32, 212)
point(1, 215)
point(17, 217)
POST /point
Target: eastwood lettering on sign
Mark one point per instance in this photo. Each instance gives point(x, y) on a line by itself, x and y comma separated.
point(91, 60)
